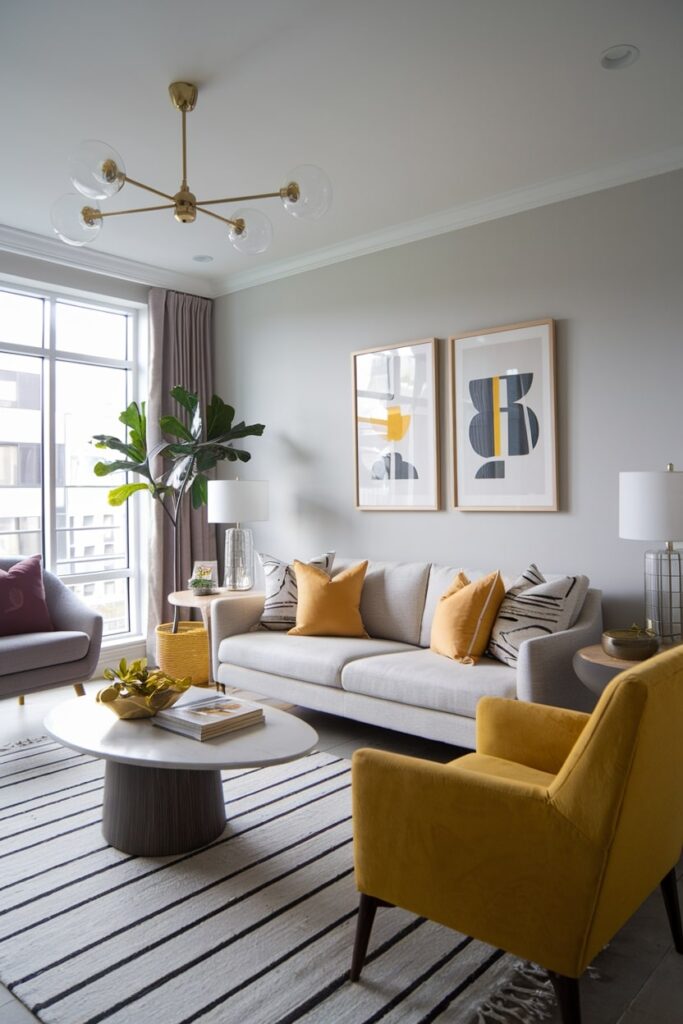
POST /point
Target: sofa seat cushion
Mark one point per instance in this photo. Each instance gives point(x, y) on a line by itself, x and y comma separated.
point(29, 651)
point(312, 659)
point(428, 680)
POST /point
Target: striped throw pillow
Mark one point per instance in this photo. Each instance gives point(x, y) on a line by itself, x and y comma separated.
point(534, 607)
point(279, 611)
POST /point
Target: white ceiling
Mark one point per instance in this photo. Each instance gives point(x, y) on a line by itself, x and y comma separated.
point(415, 110)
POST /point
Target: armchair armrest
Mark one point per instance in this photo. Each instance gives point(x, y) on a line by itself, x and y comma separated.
point(544, 668)
point(474, 852)
point(67, 611)
point(232, 615)
point(537, 735)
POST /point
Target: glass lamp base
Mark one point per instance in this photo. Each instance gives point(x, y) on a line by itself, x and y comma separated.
point(663, 594)
point(239, 559)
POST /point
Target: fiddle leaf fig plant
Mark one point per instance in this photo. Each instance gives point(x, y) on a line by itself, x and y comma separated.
point(199, 440)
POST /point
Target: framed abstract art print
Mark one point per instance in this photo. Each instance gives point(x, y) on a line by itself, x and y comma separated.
point(396, 427)
point(503, 417)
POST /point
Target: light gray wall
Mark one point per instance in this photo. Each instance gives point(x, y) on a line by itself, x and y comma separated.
point(607, 267)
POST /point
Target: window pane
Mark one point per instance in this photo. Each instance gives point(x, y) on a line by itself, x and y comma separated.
point(21, 319)
point(20, 455)
point(91, 550)
point(89, 401)
point(95, 332)
point(110, 599)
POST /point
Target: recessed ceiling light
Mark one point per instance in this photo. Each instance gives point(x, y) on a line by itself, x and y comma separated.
point(203, 259)
point(617, 57)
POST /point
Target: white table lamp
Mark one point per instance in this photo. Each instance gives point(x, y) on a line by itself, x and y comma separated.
point(238, 501)
point(651, 508)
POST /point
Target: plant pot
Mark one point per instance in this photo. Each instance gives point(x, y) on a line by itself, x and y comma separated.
point(185, 653)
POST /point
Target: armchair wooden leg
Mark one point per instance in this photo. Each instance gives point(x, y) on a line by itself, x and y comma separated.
point(21, 700)
point(80, 691)
point(673, 908)
point(567, 992)
point(366, 916)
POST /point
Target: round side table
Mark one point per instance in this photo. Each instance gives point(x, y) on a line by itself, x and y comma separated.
point(596, 669)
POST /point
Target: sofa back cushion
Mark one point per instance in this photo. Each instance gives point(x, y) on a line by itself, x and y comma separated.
point(393, 598)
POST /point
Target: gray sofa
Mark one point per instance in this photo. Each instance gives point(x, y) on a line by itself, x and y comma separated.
point(393, 679)
point(39, 661)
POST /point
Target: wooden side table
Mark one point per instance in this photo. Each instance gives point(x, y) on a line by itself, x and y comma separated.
point(188, 599)
point(596, 669)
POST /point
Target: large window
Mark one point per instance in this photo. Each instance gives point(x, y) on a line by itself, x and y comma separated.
point(67, 369)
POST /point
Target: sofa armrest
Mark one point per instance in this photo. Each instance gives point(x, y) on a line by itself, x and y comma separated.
point(232, 615)
point(544, 668)
point(535, 735)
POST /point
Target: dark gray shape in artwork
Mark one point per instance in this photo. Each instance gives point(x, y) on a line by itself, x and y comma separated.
point(393, 467)
point(481, 425)
point(491, 471)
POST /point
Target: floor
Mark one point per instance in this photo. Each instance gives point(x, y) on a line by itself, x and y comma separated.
point(637, 979)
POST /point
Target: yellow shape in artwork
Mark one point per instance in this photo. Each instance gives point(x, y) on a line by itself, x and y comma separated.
point(395, 425)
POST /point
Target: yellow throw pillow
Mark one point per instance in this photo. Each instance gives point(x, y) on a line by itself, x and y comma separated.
point(464, 617)
point(329, 607)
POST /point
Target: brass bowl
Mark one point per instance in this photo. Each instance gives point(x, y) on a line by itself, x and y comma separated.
point(140, 707)
point(629, 644)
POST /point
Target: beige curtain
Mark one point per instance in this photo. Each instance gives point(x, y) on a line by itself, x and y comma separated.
point(181, 352)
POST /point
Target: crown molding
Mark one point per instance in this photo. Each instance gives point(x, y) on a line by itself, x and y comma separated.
point(463, 216)
point(41, 247)
point(505, 204)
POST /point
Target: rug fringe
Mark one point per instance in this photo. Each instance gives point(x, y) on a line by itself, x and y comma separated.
point(18, 744)
point(526, 997)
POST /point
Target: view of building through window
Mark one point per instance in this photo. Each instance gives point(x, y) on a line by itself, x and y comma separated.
point(66, 372)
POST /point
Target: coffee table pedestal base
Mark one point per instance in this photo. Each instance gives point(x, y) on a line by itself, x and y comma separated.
point(156, 812)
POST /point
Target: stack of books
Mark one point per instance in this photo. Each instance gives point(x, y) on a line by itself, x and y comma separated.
point(211, 716)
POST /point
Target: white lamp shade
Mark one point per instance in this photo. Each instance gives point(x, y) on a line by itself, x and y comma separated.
point(237, 501)
point(651, 505)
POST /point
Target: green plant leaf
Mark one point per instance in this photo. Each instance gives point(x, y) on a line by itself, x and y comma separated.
point(187, 399)
point(119, 495)
point(200, 492)
point(219, 417)
point(173, 426)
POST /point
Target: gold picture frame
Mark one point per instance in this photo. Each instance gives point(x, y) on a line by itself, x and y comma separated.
point(396, 427)
point(503, 418)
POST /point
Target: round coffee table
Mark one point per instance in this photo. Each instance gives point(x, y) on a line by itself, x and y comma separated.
point(163, 792)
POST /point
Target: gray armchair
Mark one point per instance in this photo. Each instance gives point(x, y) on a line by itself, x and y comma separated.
point(39, 661)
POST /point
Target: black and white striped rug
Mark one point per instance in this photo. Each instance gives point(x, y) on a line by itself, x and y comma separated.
point(257, 928)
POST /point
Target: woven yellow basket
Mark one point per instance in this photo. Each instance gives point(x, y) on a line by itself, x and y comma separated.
point(185, 653)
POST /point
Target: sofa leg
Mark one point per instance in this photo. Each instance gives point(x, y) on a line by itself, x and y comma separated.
point(366, 916)
point(567, 992)
point(80, 691)
point(21, 700)
point(673, 908)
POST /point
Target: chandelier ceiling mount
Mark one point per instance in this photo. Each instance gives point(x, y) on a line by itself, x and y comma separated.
point(98, 172)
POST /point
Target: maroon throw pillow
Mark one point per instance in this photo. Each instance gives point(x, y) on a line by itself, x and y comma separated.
point(23, 608)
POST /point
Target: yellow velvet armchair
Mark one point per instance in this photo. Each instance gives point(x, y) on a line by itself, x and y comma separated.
point(543, 842)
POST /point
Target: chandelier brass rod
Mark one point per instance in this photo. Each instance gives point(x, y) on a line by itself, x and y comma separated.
point(239, 199)
point(148, 188)
point(139, 209)
point(216, 216)
point(184, 117)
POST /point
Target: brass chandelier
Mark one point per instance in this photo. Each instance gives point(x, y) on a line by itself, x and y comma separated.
point(98, 172)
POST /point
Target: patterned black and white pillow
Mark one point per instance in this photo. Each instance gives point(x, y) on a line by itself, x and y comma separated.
point(279, 612)
point(535, 607)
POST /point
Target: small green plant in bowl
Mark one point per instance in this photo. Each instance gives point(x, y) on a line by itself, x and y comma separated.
point(202, 585)
point(136, 691)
